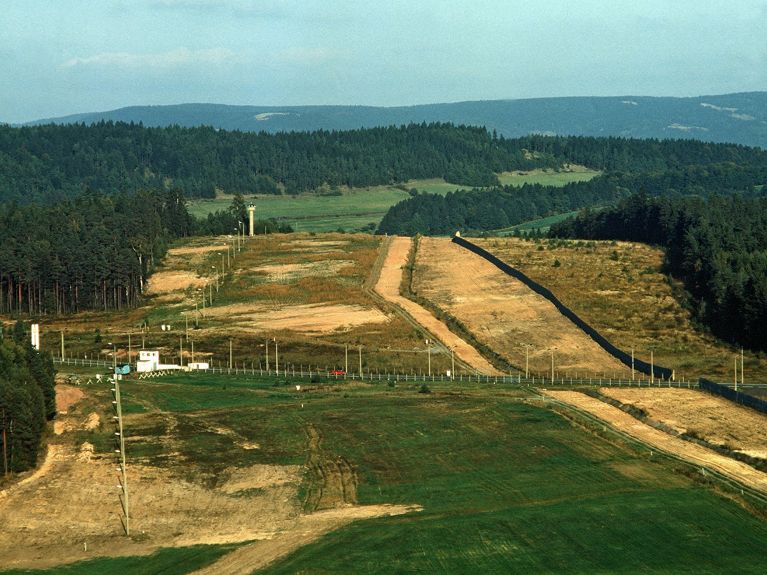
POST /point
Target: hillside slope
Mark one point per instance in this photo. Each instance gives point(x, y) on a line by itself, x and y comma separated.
point(739, 118)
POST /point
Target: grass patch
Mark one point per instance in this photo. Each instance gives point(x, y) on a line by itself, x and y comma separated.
point(171, 561)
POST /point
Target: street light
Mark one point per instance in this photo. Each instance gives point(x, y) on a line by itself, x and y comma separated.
point(428, 350)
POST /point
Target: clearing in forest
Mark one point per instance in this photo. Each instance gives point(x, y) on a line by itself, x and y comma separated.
point(505, 314)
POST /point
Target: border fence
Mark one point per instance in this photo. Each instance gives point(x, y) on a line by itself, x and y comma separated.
point(619, 354)
point(732, 395)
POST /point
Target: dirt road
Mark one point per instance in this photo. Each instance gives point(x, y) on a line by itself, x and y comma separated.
point(689, 451)
point(388, 287)
point(505, 314)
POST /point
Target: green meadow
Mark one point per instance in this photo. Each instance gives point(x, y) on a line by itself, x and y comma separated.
point(358, 209)
point(507, 483)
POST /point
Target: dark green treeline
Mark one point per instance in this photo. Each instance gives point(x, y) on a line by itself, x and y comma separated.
point(27, 400)
point(45, 163)
point(717, 247)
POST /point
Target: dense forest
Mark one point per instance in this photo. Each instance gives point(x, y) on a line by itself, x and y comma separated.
point(669, 168)
point(42, 163)
point(94, 251)
point(27, 399)
point(716, 246)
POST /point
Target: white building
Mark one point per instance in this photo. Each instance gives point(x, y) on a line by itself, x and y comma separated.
point(148, 360)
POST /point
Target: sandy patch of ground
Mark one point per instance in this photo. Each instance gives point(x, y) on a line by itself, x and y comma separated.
point(505, 314)
point(92, 422)
point(713, 418)
point(194, 250)
point(318, 243)
point(67, 396)
point(306, 318)
point(291, 272)
point(171, 281)
point(691, 452)
point(260, 477)
point(388, 287)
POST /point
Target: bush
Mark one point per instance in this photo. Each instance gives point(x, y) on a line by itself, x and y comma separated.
point(424, 389)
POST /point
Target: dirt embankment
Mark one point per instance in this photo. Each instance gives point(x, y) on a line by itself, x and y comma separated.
point(388, 287)
point(689, 451)
point(504, 314)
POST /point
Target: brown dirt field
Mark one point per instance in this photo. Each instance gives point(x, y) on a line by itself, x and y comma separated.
point(713, 418)
point(505, 314)
point(306, 318)
point(67, 396)
point(171, 281)
point(689, 451)
point(388, 287)
point(291, 272)
point(195, 250)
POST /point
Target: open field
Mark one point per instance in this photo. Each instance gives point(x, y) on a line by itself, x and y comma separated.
point(489, 479)
point(702, 415)
point(619, 289)
point(541, 224)
point(360, 208)
point(303, 290)
point(504, 314)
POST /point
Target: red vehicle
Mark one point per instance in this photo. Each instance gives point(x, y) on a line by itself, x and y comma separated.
point(337, 372)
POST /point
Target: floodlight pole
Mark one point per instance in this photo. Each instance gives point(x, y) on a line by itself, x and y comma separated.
point(736, 373)
point(124, 478)
point(276, 357)
point(360, 352)
point(346, 358)
point(742, 381)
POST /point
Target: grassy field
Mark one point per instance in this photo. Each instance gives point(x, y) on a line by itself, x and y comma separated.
point(362, 208)
point(542, 224)
point(619, 289)
point(507, 484)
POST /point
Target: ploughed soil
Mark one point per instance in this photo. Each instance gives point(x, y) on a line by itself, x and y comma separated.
point(687, 450)
point(506, 315)
point(388, 287)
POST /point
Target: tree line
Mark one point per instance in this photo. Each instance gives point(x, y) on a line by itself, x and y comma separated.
point(43, 163)
point(27, 399)
point(716, 246)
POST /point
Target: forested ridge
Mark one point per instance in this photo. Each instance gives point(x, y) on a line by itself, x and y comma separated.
point(43, 163)
point(716, 246)
point(660, 168)
point(27, 399)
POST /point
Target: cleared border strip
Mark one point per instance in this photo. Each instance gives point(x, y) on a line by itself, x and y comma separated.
point(619, 354)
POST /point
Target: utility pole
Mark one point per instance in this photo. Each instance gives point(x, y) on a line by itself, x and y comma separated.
point(267, 355)
point(452, 364)
point(742, 381)
point(121, 451)
point(193, 351)
point(736, 373)
point(552, 366)
point(230, 353)
point(181, 351)
point(186, 326)
point(632, 364)
point(346, 358)
point(652, 366)
point(276, 357)
point(428, 352)
point(527, 360)
point(360, 352)
point(129, 347)
point(62, 345)
point(5, 448)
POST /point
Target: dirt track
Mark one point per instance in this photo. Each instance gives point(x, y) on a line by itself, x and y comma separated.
point(505, 314)
point(388, 287)
point(684, 449)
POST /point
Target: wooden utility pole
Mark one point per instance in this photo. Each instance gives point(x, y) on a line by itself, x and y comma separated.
point(452, 364)
point(632, 364)
point(652, 366)
point(62, 345)
point(276, 357)
point(360, 352)
point(736, 373)
point(181, 351)
point(742, 381)
point(346, 359)
point(230, 353)
point(552, 366)
point(267, 355)
point(428, 353)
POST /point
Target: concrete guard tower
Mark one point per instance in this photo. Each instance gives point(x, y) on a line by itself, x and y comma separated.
point(251, 218)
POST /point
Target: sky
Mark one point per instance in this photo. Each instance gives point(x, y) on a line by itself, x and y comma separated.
point(61, 57)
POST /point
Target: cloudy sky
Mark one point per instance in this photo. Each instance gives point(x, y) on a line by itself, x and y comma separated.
point(60, 57)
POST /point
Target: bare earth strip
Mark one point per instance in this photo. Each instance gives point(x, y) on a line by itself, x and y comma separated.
point(306, 530)
point(689, 451)
point(713, 418)
point(504, 313)
point(388, 287)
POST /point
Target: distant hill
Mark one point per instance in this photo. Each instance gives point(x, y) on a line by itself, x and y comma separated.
point(738, 118)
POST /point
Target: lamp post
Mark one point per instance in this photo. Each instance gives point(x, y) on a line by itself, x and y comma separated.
point(428, 354)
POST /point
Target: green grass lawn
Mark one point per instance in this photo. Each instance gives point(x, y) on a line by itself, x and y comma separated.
point(357, 208)
point(507, 485)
